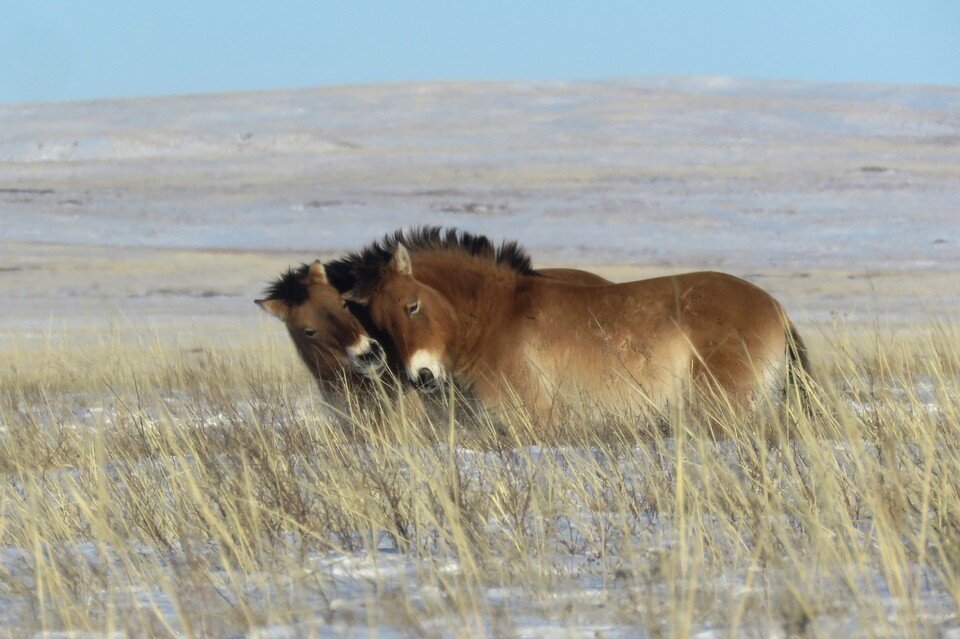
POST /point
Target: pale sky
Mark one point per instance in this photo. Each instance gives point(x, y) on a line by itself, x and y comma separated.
point(96, 49)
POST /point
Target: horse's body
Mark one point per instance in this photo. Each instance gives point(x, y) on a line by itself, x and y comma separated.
point(508, 333)
point(615, 345)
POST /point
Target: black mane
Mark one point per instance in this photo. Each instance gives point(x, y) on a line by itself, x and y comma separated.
point(365, 265)
point(291, 287)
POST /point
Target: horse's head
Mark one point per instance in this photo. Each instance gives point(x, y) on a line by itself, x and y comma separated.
point(418, 319)
point(327, 335)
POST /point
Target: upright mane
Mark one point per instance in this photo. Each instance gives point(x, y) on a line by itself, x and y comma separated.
point(363, 267)
point(291, 287)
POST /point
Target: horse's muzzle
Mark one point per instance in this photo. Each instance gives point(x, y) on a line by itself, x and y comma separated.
point(372, 362)
point(426, 381)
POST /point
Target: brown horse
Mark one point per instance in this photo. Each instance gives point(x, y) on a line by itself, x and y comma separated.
point(504, 331)
point(333, 336)
point(330, 338)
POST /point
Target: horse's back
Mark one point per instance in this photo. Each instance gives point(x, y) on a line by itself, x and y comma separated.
point(712, 300)
point(574, 276)
point(707, 297)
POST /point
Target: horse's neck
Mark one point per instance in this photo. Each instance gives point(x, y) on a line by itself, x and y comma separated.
point(482, 296)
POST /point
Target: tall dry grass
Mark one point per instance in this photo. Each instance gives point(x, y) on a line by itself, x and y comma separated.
point(157, 492)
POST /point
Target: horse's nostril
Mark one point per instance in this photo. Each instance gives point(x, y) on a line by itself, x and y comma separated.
point(427, 381)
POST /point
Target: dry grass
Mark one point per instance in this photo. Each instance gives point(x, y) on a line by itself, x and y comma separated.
point(159, 492)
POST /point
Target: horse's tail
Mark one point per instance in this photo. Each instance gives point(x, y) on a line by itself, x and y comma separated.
point(799, 371)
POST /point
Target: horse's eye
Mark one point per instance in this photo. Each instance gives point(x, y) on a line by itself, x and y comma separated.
point(413, 308)
point(309, 332)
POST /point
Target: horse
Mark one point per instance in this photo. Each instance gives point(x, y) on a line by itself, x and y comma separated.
point(333, 336)
point(504, 331)
point(329, 337)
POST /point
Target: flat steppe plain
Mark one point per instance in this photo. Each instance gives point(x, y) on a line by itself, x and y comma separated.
point(170, 214)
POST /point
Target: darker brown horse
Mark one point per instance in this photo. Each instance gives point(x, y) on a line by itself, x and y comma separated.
point(503, 330)
point(330, 337)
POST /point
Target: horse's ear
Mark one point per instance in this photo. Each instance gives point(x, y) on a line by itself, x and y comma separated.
point(318, 273)
point(401, 261)
point(354, 295)
point(277, 308)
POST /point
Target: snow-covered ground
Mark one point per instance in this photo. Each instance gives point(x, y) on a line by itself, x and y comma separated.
point(585, 587)
point(599, 572)
point(842, 199)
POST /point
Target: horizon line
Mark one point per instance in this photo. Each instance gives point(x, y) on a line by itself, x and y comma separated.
point(598, 80)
